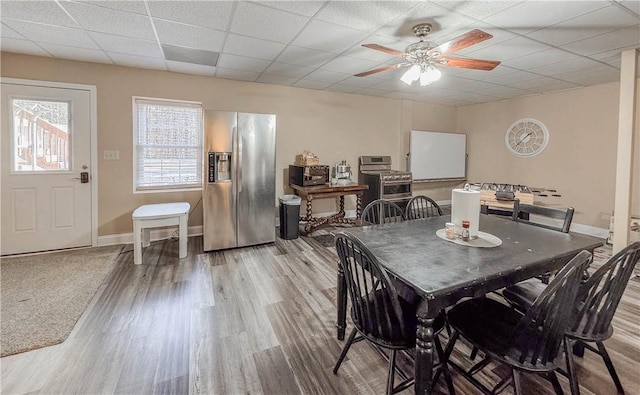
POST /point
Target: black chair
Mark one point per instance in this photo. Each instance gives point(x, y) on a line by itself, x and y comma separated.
point(382, 212)
point(422, 207)
point(529, 342)
point(522, 213)
point(598, 299)
point(379, 315)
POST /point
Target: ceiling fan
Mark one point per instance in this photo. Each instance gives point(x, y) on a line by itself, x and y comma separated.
point(423, 56)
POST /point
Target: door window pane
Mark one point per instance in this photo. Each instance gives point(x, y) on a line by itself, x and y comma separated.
point(41, 135)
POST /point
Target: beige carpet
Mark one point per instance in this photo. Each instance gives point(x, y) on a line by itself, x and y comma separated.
point(43, 296)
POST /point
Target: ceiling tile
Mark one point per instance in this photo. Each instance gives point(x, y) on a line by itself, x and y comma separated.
point(545, 13)
point(629, 37)
point(106, 20)
point(478, 9)
point(346, 64)
point(128, 46)
point(137, 61)
point(305, 8)
point(277, 80)
point(52, 34)
point(537, 59)
point(304, 56)
point(191, 68)
point(233, 74)
point(242, 63)
point(209, 14)
point(326, 37)
point(510, 49)
point(363, 15)
point(249, 18)
point(633, 5)
point(47, 12)
point(543, 84)
point(515, 76)
point(442, 20)
point(327, 76)
point(587, 25)
point(310, 84)
point(252, 47)
point(504, 92)
point(361, 82)
point(135, 6)
point(571, 65)
point(592, 76)
point(189, 36)
point(7, 32)
point(290, 70)
point(22, 46)
point(82, 54)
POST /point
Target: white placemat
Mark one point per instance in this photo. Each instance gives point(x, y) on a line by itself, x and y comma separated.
point(484, 240)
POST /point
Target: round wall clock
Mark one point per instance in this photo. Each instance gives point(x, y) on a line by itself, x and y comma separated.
point(526, 137)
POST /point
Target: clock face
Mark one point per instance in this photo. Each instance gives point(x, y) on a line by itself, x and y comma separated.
point(526, 137)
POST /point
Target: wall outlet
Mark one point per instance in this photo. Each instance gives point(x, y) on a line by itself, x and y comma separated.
point(111, 155)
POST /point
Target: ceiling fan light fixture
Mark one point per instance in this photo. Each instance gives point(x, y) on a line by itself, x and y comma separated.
point(411, 75)
point(429, 75)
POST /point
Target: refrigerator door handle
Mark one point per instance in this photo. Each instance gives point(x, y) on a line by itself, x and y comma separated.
point(239, 158)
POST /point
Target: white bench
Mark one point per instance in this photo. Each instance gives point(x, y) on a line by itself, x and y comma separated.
point(154, 216)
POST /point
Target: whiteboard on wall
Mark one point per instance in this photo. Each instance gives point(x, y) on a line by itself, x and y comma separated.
point(437, 155)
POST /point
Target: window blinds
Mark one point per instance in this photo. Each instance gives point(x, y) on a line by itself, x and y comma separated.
point(168, 144)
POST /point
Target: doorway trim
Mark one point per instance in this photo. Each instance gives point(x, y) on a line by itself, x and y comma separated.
point(93, 136)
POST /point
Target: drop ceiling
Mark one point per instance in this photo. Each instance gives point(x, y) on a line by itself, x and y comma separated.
point(544, 46)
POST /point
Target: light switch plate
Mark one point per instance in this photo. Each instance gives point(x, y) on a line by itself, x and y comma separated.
point(111, 155)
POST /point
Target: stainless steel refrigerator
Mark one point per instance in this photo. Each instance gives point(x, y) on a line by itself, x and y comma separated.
point(240, 179)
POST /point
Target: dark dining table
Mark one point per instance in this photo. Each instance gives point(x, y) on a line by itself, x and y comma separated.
point(436, 273)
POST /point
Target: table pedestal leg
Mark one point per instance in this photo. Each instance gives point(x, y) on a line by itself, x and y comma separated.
point(341, 301)
point(424, 355)
point(358, 206)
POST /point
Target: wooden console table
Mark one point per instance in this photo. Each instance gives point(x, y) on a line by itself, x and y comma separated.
point(326, 191)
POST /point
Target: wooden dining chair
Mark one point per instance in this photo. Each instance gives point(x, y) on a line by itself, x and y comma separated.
point(378, 313)
point(422, 207)
point(529, 342)
point(598, 298)
point(530, 214)
point(382, 212)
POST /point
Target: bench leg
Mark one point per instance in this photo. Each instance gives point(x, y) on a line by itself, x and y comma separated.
point(183, 235)
point(137, 243)
point(146, 237)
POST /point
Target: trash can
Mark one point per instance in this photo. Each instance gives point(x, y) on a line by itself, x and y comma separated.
point(289, 216)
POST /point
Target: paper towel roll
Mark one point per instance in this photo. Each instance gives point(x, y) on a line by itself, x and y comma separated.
point(465, 206)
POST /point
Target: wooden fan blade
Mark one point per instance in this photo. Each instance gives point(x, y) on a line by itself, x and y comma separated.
point(476, 64)
point(381, 69)
point(384, 49)
point(466, 40)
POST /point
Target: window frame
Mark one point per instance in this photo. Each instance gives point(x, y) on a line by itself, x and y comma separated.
point(136, 100)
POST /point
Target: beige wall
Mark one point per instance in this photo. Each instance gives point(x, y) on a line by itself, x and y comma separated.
point(579, 161)
point(335, 126)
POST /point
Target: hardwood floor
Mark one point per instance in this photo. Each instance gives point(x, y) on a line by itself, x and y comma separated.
point(252, 320)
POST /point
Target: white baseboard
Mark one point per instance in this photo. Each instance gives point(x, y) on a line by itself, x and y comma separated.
point(158, 234)
point(166, 233)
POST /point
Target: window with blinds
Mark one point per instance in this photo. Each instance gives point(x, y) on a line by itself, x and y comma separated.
point(167, 144)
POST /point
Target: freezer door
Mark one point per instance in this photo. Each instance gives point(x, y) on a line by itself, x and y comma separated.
point(218, 198)
point(256, 178)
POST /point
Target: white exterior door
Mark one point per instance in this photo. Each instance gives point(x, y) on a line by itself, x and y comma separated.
point(46, 146)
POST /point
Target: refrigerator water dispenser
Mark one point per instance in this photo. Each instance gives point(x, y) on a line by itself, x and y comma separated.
point(219, 167)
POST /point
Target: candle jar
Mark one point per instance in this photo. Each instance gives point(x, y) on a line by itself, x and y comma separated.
point(449, 230)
